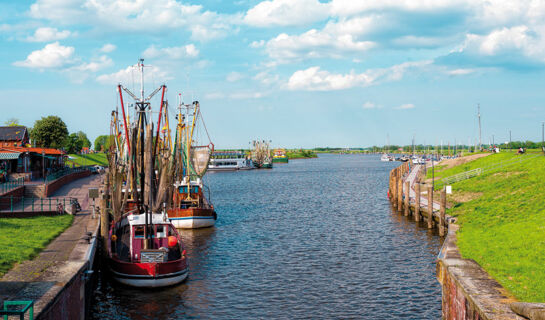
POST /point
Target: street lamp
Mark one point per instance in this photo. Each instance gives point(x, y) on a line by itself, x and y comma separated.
point(43, 164)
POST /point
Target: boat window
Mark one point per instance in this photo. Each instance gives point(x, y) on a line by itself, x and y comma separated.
point(139, 232)
point(160, 232)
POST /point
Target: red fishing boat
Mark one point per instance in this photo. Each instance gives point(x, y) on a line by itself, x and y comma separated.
point(144, 247)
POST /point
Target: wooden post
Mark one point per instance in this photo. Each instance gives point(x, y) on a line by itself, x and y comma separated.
point(104, 216)
point(442, 209)
point(417, 202)
point(400, 195)
point(407, 194)
point(394, 189)
point(430, 207)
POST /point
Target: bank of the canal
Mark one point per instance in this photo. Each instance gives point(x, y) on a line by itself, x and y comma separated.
point(314, 238)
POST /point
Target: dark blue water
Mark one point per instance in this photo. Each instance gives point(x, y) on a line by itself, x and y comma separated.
point(310, 239)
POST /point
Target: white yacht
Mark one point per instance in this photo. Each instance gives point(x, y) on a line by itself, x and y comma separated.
point(229, 161)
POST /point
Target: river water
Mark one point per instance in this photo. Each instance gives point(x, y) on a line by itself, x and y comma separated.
point(314, 238)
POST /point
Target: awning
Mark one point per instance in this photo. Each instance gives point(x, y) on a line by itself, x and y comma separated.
point(9, 156)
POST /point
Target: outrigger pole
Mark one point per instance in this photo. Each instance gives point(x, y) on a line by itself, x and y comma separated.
point(124, 117)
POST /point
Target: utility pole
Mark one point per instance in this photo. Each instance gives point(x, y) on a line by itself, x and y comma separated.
point(479, 116)
point(509, 140)
point(542, 136)
point(493, 143)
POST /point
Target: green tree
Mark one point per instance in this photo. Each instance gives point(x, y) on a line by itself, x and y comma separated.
point(85, 143)
point(73, 143)
point(49, 132)
point(12, 122)
point(102, 143)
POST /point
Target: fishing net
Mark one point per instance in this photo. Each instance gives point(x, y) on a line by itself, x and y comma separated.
point(200, 156)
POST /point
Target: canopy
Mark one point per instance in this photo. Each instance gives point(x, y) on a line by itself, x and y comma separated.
point(9, 156)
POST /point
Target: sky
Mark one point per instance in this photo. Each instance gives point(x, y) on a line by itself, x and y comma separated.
point(301, 73)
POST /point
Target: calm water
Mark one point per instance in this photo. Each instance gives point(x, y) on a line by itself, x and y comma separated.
point(309, 239)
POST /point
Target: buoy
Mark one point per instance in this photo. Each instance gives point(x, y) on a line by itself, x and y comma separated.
point(172, 241)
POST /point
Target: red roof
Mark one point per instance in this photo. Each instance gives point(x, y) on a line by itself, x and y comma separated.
point(47, 151)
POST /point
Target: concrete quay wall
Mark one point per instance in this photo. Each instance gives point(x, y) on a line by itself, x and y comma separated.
point(468, 292)
point(57, 184)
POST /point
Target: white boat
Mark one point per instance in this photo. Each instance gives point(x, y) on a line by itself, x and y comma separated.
point(229, 161)
point(386, 157)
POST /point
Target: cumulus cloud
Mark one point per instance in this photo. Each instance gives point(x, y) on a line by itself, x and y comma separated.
point(460, 72)
point(52, 56)
point(175, 53)
point(314, 79)
point(46, 34)
point(286, 13)
point(107, 48)
point(128, 74)
point(149, 16)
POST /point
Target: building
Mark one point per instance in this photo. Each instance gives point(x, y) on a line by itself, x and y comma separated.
point(30, 163)
point(16, 136)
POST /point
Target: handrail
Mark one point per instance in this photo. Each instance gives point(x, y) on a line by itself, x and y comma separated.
point(35, 204)
point(10, 185)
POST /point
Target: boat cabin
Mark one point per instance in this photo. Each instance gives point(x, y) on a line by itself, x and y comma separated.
point(128, 240)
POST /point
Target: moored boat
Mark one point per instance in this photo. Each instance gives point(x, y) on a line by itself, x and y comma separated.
point(280, 156)
point(229, 161)
point(191, 208)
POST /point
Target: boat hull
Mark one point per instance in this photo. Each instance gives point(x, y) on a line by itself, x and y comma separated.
point(280, 160)
point(149, 275)
point(192, 218)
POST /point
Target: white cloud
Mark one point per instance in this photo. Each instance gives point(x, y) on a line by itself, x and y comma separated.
point(286, 13)
point(52, 56)
point(126, 76)
point(257, 44)
point(148, 16)
point(314, 79)
point(371, 105)
point(350, 7)
point(46, 34)
point(499, 40)
point(107, 48)
point(81, 72)
point(267, 79)
point(175, 53)
point(234, 95)
point(405, 106)
point(234, 76)
point(460, 72)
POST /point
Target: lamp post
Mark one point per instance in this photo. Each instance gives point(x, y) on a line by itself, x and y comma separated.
point(43, 164)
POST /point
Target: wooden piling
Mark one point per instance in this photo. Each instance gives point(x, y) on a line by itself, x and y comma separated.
point(407, 194)
point(104, 216)
point(417, 203)
point(443, 205)
point(400, 194)
point(430, 207)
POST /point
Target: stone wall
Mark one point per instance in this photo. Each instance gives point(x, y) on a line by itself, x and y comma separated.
point(57, 184)
point(468, 291)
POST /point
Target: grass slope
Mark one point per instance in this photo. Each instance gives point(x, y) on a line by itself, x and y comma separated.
point(23, 238)
point(503, 228)
point(89, 159)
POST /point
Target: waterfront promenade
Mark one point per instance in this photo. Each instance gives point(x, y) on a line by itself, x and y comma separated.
point(43, 278)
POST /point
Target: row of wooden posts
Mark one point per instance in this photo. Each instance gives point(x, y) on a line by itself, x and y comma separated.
point(401, 200)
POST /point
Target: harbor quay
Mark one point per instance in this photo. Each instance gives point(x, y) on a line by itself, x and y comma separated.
point(57, 282)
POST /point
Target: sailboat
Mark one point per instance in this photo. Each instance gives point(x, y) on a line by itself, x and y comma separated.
point(144, 249)
point(191, 208)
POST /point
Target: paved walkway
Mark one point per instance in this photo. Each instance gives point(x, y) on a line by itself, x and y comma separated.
point(412, 194)
point(42, 278)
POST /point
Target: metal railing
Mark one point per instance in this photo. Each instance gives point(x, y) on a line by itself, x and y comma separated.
point(10, 185)
point(462, 176)
point(27, 306)
point(33, 204)
point(63, 172)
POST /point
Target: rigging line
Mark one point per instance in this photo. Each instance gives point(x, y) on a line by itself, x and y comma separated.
point(206, 130)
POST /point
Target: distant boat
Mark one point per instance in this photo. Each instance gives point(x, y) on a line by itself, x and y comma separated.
point(280, 156)
point(229, 161)
point(261, 155)
point(386, 157)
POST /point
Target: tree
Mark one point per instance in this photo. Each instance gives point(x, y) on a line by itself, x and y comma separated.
point(102, 143)
point(12, 122)
point(85, 143)
point(49, 132)
point(73, 143)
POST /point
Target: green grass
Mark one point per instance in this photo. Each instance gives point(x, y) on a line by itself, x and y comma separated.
point(23, 238)
point(88, 159)
point(300, 154)
point(504, 229)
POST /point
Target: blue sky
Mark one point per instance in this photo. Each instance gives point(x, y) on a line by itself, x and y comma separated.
point(300, 73)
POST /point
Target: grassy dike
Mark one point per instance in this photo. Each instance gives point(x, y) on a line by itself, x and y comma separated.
point(300, 154)
point(23, 238)
point(88, 159)
point(501, 214)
